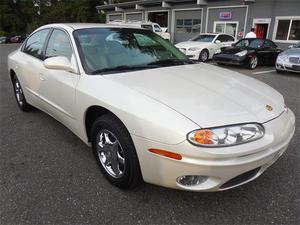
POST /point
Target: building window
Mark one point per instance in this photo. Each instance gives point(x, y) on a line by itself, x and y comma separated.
point(188, 25)
point(288, 29)
point(229, 28)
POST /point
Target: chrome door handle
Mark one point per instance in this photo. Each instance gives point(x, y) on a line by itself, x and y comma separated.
point(42, 78)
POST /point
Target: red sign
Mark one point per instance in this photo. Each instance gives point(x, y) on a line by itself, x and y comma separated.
point(225, 16)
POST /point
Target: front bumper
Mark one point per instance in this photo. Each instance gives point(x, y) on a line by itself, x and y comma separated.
point(286, 66)
point(229, 59)
point(193, 55)
point(225, 167)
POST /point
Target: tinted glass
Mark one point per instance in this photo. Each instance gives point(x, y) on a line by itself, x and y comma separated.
point(225, 38)
point(103, 48)
point(250, 43)
point(204, 38)
point(269, 44)
point(35, 43)
point(59, 45)
point(148, 27)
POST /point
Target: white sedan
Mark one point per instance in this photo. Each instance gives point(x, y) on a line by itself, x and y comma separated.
point(149, 113)
point(204, 46)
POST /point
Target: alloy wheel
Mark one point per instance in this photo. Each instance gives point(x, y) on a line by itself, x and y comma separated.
point(19, 92)
point(253, 62)
point(110, 153)
point(204, 56)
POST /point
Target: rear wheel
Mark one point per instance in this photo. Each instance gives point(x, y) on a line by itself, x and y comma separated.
point(253, 62)
point(115, 152)
point(203, 56)
point(19, 94)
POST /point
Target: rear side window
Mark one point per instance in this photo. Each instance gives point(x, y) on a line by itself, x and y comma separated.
point(59, 45)
point(269, 44)
point(35, 43)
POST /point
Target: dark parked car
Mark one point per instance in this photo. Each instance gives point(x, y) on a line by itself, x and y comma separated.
point(249, 52)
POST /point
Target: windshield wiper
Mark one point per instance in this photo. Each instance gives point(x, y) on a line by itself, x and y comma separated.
point(121, 69)
point(170, 62)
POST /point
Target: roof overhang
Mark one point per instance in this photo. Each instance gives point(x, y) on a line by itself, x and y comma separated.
point(141, 5)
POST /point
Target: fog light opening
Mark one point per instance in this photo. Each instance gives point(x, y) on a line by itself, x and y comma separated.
point(191, 180)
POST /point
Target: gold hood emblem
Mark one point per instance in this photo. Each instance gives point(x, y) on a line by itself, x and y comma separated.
point(269, 108)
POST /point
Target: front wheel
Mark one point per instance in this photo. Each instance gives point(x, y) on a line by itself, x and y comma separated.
point(115, 152)
point(203, 56)
point(19, 94)
point(253, 62)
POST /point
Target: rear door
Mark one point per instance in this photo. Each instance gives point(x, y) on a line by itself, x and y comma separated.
point(57, 89)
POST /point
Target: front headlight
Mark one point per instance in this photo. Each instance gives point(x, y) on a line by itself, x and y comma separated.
point(194, 49)
point(282, 58)
point(226, 136)
point(242, 53)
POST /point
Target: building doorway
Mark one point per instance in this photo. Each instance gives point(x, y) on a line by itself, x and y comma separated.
point(160, 17)
point(262, 27)
point(261, 30)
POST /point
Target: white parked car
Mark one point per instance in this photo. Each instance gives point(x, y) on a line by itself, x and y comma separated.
point(149, 112)
point(154, 27)
point(204, 46)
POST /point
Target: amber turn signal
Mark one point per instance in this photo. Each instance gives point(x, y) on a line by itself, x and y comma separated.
point(204, 136)
point(165, 153)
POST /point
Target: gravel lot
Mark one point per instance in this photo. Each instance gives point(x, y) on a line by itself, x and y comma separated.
point(48, 176)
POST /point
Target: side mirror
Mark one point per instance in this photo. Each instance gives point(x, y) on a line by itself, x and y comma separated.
point(60, 63)
point(217, 41)
point(291, 46)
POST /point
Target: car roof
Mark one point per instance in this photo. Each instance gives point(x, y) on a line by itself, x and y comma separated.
point(77, 26)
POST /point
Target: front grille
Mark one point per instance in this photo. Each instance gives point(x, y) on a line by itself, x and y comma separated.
point(295, 60)
point(240, 178)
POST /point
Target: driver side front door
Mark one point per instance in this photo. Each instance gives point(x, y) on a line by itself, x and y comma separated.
point(57, 89)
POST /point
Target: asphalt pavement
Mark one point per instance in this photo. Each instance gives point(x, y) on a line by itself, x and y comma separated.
point(48, 176)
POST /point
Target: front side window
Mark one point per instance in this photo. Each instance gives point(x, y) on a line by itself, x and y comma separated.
point(288, 30)
point(269, 44)
point(34, 44)
point(147, 27)
point(105, 48)
point(225, 38)
point(157, 28)
point(59, 45)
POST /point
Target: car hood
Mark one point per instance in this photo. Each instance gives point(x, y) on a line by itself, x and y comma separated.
point(292, 52)
point(233, 50)
point(207, 95)
point(189, 44)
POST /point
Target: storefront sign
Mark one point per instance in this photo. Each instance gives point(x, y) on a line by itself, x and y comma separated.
point(225, 16)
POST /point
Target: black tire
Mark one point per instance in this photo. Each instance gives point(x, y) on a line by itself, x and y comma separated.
point(131, 175)
point(253, 62)
point(19, 95)
point(203, 56)
point(279, 71)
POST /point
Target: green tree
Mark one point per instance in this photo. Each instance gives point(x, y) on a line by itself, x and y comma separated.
point(23, 16)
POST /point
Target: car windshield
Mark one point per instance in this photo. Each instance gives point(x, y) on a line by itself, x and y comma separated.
point(204, 38)
point(250, 43)
point(107, 50)
point(297, 45)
